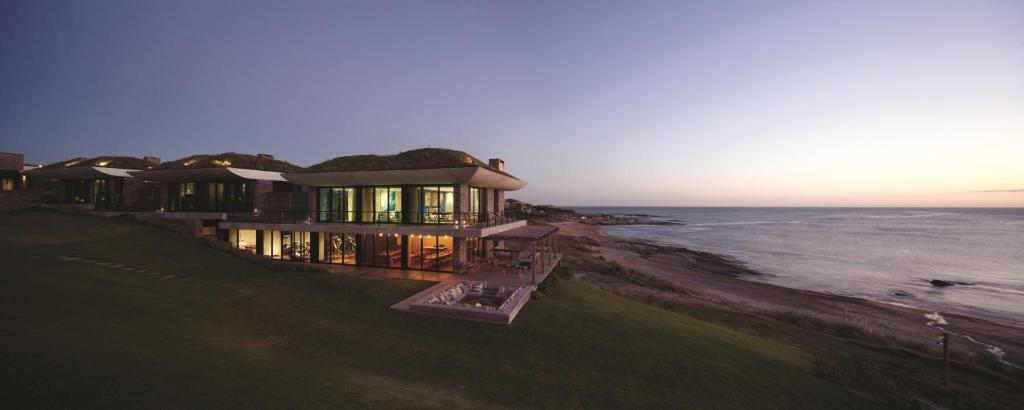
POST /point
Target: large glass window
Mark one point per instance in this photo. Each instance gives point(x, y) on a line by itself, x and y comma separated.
point(336, 205)
point(337, 248)
point(209, 196)
point(381, 250)
point(474, 249)
point(94, 191)
point(439, 204)
point(476, 211)
point(182, 196)
point(431, 252)
point(286, 245)
point(244, 239)
point(386, 204)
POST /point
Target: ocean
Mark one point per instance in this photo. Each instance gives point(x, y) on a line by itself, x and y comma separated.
point(881, 254)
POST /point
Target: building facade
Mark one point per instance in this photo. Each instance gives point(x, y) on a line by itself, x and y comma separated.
point(429, 209)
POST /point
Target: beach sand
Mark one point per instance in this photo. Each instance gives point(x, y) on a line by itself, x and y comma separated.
point(709, 279)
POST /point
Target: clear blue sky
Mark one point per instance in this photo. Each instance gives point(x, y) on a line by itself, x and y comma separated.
point(593, 103)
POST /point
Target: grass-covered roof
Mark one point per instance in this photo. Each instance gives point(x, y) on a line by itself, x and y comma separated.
point(109, 161)
point(422, 158)
point(230, 159)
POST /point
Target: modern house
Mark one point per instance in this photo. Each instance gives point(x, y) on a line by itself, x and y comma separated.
point(206, 188)
point(98, 183)
point(428, 209)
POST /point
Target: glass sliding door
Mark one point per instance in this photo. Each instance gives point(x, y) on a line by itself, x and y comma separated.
point(338, 248)
point(244, 239)
point(336, 205)
point(381, 250)
point(387, 204)
point(431, 252)
point(438, 204)
point(476, 205)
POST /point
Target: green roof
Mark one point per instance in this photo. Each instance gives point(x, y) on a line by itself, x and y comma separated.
point(109, 161)
point(230, 159)
point(423, 158)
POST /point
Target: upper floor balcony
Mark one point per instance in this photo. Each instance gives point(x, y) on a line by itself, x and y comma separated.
point(445, 220)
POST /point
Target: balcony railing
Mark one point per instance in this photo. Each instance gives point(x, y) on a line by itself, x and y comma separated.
point(139, 206)
point(383, 218)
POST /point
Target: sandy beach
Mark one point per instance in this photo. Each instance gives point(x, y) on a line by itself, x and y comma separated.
point(708, 279)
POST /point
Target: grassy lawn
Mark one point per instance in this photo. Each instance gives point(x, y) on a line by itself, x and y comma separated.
point(227, 333)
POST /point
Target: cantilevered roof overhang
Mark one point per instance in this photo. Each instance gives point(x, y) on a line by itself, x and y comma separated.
point(81, 172)
point(208, 175)
point(528, 232)
point(475, 176)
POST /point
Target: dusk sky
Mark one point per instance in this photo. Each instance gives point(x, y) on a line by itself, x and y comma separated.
point(593, 103)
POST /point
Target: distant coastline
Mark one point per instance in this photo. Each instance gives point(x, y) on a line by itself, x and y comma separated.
point(710, 277)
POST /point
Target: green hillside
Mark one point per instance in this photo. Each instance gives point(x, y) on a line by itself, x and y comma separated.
point(223, 332)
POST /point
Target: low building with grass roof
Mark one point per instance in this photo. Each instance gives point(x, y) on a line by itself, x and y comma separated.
point(96, 183)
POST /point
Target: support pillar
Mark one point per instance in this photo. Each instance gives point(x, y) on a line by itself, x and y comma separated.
point(259, 242)
point(314, 249)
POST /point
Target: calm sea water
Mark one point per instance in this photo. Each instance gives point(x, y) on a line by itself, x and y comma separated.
point(867, 253)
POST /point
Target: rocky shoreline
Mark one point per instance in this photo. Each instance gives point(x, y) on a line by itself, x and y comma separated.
point(704, 278)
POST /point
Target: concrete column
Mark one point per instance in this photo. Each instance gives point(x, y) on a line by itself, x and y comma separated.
point(458, 253)
point(314, 250)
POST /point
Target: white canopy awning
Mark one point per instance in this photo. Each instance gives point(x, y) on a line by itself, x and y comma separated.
point(208, 175)
point(81, 172)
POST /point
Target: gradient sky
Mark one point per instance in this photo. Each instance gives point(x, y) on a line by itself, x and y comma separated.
point(620, 103)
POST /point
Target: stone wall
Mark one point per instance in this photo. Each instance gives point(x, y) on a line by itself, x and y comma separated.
point(499, 198)
point(261, 191)
point(10, 161)
point(489, 203)
point(461, 199)
point(20, 199)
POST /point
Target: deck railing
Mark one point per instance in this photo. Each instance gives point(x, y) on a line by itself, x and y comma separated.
point(139, 206)
point(382, 218)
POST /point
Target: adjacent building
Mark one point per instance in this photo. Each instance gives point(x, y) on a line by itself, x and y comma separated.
point(99, 183)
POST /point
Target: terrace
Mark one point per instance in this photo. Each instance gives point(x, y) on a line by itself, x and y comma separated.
point(391, 219)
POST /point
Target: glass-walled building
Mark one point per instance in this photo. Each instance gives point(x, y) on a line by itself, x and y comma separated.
point(428, 209)
point(422, 252)
point(337, 205)
point(100, 181)
point(387, 204)
point(224, 183)
point(94, 191)
point(210, 196)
